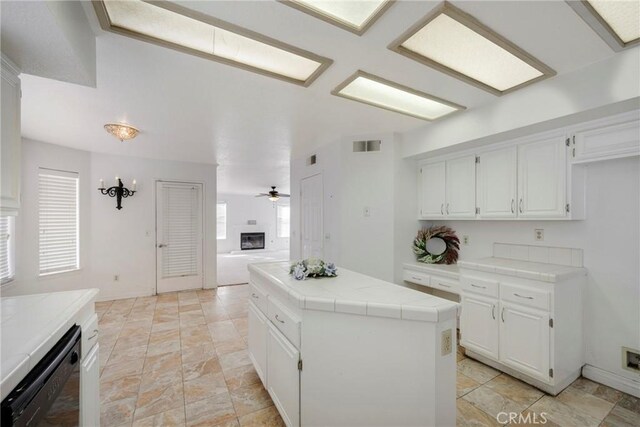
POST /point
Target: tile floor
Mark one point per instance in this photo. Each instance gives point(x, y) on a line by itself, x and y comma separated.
point(181, 359)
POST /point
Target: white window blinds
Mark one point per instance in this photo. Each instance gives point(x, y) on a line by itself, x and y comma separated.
point(58, 221)
point(221, 221)
point(283, 220)
point(6, 252)
point(181, 230)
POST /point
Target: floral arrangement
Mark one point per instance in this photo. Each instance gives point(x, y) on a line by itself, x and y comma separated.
point(312, 267)
point(449, 256)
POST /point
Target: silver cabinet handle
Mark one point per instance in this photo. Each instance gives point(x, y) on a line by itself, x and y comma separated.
point(521, 205)
point(493, 311)
point(443, 285)
point(95, 334)
point(255, 296)
point(416, 278)
point(522, 296)
point(447, 208)
point(513, 209)
point(502, 315)
point(278, 319)
point(442, 209)
point(478, 286)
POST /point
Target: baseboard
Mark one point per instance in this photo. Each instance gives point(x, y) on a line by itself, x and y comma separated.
point(103, 296)
point(612, 380)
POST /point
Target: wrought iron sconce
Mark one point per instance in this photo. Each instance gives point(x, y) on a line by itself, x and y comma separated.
point(118, 191)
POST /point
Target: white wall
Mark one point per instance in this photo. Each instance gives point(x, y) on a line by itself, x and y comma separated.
point(240, 209)
point(112, 242)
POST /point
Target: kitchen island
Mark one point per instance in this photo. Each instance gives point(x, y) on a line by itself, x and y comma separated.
point(352, 350)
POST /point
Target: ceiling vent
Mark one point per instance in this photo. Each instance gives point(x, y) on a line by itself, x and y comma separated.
point(311, 160)
point(366, 146)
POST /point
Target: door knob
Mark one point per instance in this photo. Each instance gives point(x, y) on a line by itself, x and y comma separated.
point(161, 245)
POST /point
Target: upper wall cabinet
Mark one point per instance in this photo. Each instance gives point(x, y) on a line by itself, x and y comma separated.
point(498, 183)
point(606, 140)
point(10, 139)
point(448, 188)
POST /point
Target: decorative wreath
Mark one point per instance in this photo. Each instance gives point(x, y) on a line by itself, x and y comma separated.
point(449, 256)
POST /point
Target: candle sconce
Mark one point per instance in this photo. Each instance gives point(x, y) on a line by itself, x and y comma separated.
point(118, 191)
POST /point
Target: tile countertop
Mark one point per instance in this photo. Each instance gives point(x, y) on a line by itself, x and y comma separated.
point(524, 269)
point(451, 271)
point(356, 293)
point(30, 326)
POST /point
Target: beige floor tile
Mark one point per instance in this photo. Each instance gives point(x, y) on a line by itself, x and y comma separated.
point(223, 331)
point(191, 307)
point(477, 371)
point(267, 417)
point(585, 385)
point(562, 414)
point(171, 418)
point(123, 355)
point(154, 400)
point(620, 417)
point(204, 386)
point(199, 353)
point(464, 385)
point(121, 388)
point(608, 394)
point(234, 360)
point(515, 389)
point(193, 370)
point(585, 403)
point(492, 402)
point(163, 362)
point(122, 369)
point(165, 326)
point(210, 411)
point(165, 317)
point(631, 403)
point(195, 336)
point(530, 419)
point(225, 347)
point(117, 413)
point(250, 399)
point(241, 377)
point(164, 347)
point(468, 415)
point(163, 336)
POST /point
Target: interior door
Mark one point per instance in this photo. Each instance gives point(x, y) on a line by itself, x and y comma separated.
point(498, 183)
point(479, 325)
point(311, 214)
point(432, 190)
point(461, 187)
point(178, 236)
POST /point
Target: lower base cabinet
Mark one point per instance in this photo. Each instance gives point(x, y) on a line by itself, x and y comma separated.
point(90, 389)
point(479, 323)
point(258, 336)
point(284, 376)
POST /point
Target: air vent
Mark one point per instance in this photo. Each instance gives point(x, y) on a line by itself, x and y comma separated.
point(366, 146)
point(311, 160)
point(252, 222)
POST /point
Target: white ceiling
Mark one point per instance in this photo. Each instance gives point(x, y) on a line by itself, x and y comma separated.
point(192, 109)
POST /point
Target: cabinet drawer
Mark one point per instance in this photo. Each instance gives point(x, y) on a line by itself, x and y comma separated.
point(415, 277)
point(480, 286)
point(259, 297)
point(89, 335)
point(447, 285)
point(285, 321)
point(525, 296)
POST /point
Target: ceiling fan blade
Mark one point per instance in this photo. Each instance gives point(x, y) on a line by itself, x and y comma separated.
point(262, 195)
point(283, 195)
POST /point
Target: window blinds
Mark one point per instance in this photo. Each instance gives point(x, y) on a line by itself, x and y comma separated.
point(6, 266)
point(221, 221)
point(181, 231)
point(283, 220)
point(58, 219)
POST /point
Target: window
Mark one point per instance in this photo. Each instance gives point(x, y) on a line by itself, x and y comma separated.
point(58, 221)
point(221, 220)
point(283, 221)
point(7, 242)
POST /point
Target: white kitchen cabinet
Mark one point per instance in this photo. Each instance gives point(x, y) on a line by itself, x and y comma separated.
point(10, 139)
point(479, 324)
point(498, 183)
point(524, 340)
point(460, 186)
point(258, 338)
point(542, 172)
point(432, 190)
point(283, 376)
point(90, 389)
point(604, 140)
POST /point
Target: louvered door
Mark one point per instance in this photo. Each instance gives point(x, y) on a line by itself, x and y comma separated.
point(179, 236)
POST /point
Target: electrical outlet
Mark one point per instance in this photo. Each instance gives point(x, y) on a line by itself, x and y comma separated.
point(465, 240)
point(447, 342)
point(538, 234)
point(116, 278)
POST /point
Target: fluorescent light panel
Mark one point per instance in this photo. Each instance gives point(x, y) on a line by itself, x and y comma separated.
point(452, 41)
point(354, 16)
point(170, 25)
point(376, 91)
point(622, 16)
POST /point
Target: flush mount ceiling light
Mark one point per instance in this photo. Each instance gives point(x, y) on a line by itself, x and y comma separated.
point(369, 89)
point(169, 25)
point(121, 131)
point(616, 22)
point(453, 42)
point(354, 16)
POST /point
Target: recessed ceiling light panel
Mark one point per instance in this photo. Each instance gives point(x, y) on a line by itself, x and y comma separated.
point(354, 16)
point(170, 25)
point(454, 42)
point(369, 89)
point(617, 22)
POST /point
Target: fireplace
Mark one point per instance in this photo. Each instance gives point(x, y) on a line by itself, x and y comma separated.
point(250, 241)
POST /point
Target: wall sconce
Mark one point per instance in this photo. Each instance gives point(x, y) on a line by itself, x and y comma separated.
point(118, 191)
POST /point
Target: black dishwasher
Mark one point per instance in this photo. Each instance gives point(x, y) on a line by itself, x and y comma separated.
point(50, 394)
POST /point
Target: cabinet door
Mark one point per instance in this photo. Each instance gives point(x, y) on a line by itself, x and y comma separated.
point(258, 334)
point(90, 389)
point(284, 377)
point(497, 186)
point(524, 340)
point(609, 142)
point(461, 187)
point(432, 190)
point(542, 168)
point(10, 140)
point(479, 325)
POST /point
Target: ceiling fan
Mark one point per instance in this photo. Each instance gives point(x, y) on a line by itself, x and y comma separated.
point(273, 195)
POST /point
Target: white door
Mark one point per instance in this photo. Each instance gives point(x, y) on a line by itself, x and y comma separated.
point(90, 388)
point(479, 325)
point(432, 190)
point(461, 187)
point(311, 216)
point(258, 337)
point(542, 168)
point(284, 377)
point(178, 236)
point(497, 186)
point(524, 340)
